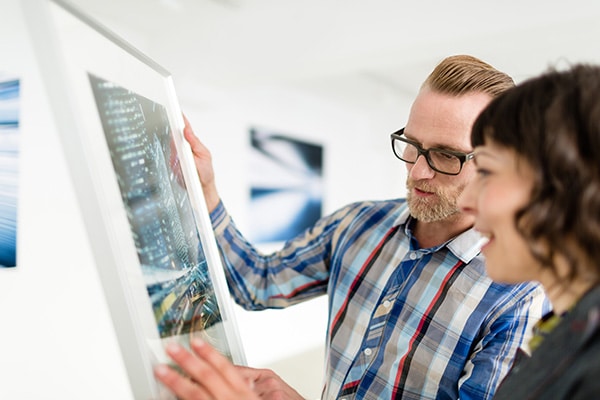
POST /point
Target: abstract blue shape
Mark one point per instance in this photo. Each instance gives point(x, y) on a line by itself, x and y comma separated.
point(286, 186)
point(9, 171)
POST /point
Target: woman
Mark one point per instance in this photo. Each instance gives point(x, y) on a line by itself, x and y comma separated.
point(537, 201)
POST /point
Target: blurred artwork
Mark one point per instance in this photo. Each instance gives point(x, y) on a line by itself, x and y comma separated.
point(286, 186)
point(155, 197)
point(9, 170)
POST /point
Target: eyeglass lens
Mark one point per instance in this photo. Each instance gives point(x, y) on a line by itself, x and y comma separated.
point(437, 159)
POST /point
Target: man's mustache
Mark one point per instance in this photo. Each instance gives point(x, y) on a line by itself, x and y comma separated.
point(421, 185)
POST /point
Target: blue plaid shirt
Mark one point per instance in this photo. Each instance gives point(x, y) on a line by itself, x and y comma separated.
point(404, 322)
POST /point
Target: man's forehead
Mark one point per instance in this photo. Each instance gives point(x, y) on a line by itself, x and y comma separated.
point(438, 119)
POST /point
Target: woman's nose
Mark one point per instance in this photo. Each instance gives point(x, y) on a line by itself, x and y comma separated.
point(466, 200)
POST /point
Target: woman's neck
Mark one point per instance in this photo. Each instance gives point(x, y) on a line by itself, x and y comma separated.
point(564, 293)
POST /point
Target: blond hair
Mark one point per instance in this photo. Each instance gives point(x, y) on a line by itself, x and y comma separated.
point(460, 74)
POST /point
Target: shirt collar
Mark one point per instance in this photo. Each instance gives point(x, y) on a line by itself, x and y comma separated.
point(466, 246)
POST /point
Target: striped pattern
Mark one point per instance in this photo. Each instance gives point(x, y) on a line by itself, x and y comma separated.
point(405, 323)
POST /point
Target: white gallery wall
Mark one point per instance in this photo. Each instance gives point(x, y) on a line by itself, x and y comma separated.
point(57, 339)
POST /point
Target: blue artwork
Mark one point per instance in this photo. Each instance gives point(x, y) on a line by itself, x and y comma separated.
point(9, 170)
point(286, 186)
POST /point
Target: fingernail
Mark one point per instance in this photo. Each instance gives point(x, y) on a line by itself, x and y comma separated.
point(173, 348)
point(161, 370)
point(197, 342)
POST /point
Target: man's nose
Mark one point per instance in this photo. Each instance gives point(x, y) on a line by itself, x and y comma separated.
point(421, 169)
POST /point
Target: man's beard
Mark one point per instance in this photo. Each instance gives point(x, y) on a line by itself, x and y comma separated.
point(438, 208)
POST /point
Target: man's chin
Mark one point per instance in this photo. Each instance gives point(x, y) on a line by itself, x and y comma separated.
point(430, 213)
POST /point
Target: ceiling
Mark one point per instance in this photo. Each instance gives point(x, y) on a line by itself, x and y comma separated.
point(348, 48)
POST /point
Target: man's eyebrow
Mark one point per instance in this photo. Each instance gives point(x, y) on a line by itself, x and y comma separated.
point(437, 146)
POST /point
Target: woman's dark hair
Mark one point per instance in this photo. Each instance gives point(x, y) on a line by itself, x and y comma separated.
point(553, 122)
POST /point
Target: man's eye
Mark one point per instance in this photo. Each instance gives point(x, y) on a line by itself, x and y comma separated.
point(445, 156)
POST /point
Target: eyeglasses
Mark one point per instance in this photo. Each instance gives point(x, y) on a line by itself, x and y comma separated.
point(440, 160)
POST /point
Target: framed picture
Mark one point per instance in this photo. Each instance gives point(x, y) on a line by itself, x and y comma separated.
point(286, 185)
point(9, 168)
point(122, 133)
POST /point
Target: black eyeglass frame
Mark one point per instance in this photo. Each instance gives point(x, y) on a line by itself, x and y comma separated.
point(462, 157)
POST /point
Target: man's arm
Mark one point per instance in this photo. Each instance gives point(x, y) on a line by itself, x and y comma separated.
point(297, 272)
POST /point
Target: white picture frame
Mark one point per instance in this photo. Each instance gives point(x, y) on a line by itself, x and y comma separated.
point(121, 129)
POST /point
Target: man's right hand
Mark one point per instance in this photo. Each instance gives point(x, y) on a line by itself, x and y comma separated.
point(212, 376)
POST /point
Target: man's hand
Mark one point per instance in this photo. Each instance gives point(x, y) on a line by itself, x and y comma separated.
point(204, 167)
point(268, 385)
point(212, 376)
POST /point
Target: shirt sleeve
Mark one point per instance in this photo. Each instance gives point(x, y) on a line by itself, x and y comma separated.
point(299, 271)
point(510, 329)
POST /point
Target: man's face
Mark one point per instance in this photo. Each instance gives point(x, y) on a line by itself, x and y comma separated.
point(442, 121)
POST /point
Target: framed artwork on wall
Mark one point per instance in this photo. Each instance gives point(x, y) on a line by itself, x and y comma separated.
point(121, 128)
point(286, 185)
point(9, 168)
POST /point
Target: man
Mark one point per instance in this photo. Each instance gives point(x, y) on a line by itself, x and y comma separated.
point(411, 312)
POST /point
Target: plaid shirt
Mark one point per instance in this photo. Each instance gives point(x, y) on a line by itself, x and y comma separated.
point(404, 322)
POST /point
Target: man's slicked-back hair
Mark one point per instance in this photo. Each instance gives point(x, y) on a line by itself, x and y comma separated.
point(462, 74)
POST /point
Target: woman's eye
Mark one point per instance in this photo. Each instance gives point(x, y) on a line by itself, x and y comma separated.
point(482, 172)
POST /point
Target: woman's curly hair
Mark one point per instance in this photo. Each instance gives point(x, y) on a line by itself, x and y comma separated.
point(553, 123)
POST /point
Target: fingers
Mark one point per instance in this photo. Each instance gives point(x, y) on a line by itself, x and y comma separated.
point(199, 150)
point(219, 363)
point(211, 375)
point(188, 134)
point(183, 387)
point(269, 385)
point(204, 168)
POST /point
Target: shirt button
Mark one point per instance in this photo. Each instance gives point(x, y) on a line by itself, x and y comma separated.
point(368, 352)
point(413, 256)
point(387, 304)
